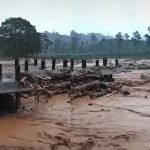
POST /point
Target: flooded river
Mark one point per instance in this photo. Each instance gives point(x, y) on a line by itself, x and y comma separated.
point(112, 122)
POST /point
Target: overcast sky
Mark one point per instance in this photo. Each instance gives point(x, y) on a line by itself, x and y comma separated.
point(104, 16)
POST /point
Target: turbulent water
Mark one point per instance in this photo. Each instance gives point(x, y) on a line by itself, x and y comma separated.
point(112, 122)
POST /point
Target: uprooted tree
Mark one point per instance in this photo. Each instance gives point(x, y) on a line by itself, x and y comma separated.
point(18, 38)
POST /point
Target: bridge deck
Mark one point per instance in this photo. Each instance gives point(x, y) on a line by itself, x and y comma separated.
point(14, 87)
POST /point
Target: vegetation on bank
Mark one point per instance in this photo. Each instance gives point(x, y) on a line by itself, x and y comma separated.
point(18, 38)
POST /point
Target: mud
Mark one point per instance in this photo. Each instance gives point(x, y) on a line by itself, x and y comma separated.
point(112, 122)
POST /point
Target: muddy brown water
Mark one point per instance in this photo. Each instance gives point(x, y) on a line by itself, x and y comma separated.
point(112, 122)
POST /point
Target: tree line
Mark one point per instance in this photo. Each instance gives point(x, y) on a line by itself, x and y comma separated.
point(97, 44)
point(18, 38)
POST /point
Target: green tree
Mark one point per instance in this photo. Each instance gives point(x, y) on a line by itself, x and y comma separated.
point(119, 38)
point(126, 36)
point(94, 38)
point(136, 39)
point(19, 38)
point(147, 37)
point(57, 44)
point(45, 42)
point(75, 43)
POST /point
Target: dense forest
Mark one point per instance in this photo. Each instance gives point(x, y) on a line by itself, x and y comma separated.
point(18, 38)
point(99, 45)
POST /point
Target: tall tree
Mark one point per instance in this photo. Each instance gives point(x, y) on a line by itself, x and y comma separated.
point(136, 39)
point(45, 42)
point(119, 38)
point(57, 44)
point(147, 37)
point(19, 38)
point(126, 36)
point(75, 43)
point(94, 38)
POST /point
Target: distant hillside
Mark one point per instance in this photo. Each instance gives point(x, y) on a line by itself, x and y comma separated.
point(71, 43)
point(98, 45)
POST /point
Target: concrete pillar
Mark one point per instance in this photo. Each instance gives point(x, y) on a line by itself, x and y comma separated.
point(35, 61)
point(43, 64)
point(72, 64)
point(105, 62)
point(83, 64)
point(16, 62)
point(18, 101)
point(17, 73)
point(17, 95)
point(26, 65)
point(97, 63)
point(65, 63)
point(0, 71)
point(53, 64)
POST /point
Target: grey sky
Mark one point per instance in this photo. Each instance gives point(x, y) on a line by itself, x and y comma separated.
point(105, 16)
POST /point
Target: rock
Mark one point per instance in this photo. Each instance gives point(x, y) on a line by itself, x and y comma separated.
point(109, 90)
point(143, 66)
point(131, 64)
point(90, 103)
point(145, 76)
point(23, 107)
point(125, 92)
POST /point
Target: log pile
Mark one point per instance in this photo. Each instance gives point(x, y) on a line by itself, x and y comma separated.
point(93, 82)
point(54, 82)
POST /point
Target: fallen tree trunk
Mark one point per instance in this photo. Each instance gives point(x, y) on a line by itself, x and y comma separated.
point(85, 86)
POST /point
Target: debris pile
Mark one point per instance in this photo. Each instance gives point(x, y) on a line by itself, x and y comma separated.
point(54, 82)
point(93, 82)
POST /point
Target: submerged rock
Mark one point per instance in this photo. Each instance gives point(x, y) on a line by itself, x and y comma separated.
point(143, 66)
point(145, 76)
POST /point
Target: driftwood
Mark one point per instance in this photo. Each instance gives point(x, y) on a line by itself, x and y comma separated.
point(53, 82)
point(93, 82)
point(85, 86)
